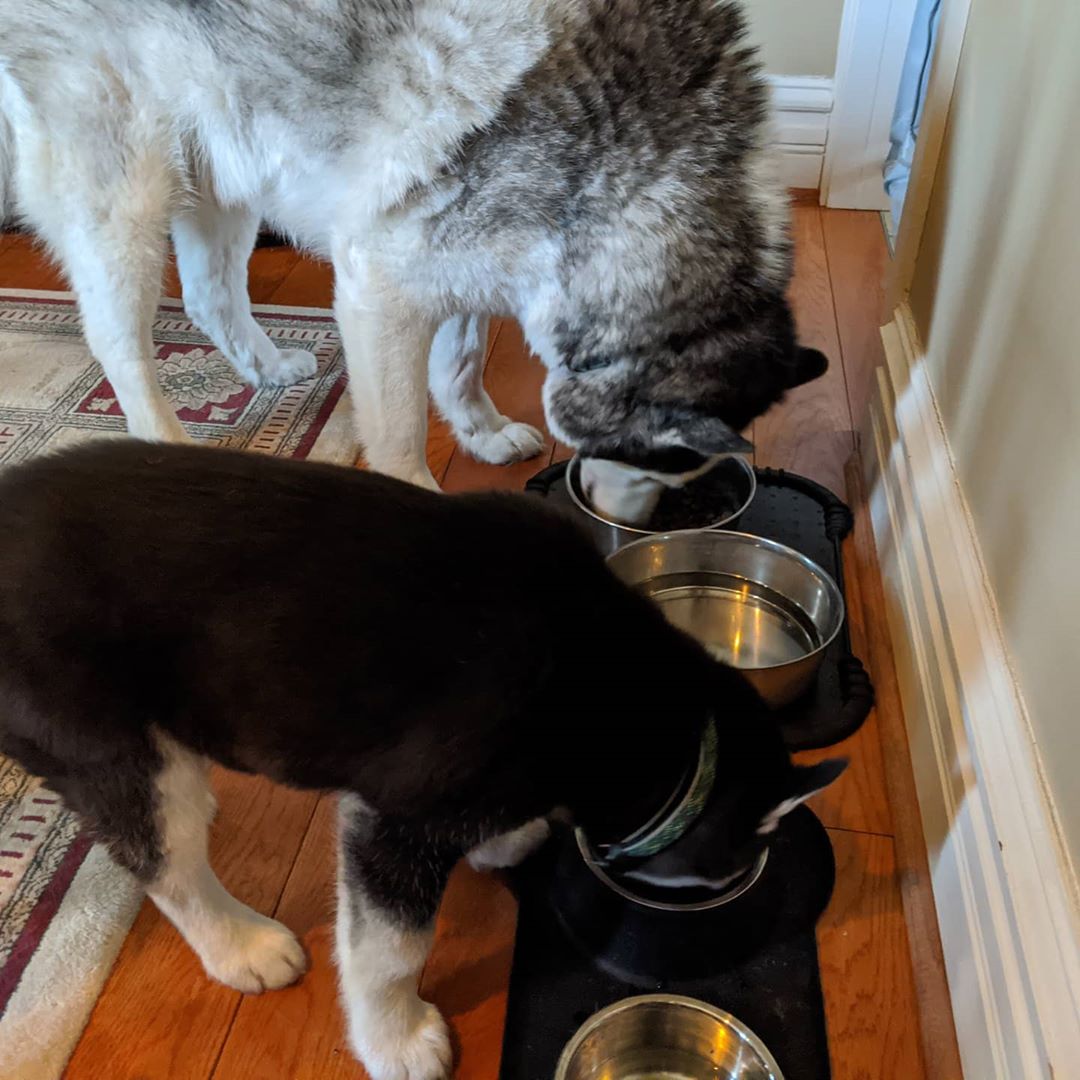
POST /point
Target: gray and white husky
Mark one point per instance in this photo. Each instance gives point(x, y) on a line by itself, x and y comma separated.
point(596, 168)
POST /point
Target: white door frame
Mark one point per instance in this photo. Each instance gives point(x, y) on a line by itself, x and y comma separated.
point(870, 59)
point(952, 27)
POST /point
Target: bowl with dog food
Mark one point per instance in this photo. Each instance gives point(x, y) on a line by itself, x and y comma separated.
point(759, 606)
point(715, 500)
point(665, 1037)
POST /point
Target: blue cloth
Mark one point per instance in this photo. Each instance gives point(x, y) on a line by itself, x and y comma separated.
point(909, 104)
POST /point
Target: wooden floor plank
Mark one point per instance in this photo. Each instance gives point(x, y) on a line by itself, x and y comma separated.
point(858, 259)
point(308, 283)
point(24, 265)
point(857, 800)
point(870, 1005)
point(940, 1049)
point(810, 431)
point(159, 1016)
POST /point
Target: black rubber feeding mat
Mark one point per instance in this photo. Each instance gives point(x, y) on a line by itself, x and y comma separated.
point(809, 518)
point(755, 957)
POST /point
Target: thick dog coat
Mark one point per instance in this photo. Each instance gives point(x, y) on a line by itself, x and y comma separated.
point(456, 666)
point(595, 168)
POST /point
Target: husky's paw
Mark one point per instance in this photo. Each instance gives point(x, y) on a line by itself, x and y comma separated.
point(422, 1052)
point(503, 446)
point(510, 849)
point(254, 954)
point(288, 367)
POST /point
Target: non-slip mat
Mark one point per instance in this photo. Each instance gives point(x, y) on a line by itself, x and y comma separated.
point(802, 514)
point(776, 990)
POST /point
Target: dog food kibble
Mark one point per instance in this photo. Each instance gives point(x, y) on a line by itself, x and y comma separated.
point(701, 503)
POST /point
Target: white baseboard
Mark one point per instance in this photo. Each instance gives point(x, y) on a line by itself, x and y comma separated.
point(1005, 890)
point(802, 105)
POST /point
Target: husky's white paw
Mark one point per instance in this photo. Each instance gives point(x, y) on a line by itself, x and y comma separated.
point(510, 849)
point(512, 442)
point(421, 1052)
point(253, 953)
point(288, 367)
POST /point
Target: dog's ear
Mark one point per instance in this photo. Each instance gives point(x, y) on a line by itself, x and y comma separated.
point(809, 780)
point(709, 436)
point(810, 364)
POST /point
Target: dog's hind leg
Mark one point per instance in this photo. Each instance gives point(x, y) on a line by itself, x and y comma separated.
point(456, 377)
point(213, 245)
point(387, 339)
point(102, 203)
point(390, 880)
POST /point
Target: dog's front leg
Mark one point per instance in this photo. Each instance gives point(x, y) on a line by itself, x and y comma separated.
point(387, 339)
point(390, 881)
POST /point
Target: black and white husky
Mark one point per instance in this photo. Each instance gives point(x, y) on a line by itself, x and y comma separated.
point(457, 667)
point(596, 168)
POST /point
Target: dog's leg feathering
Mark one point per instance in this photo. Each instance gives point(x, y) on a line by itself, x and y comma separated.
point(103, 208)
point(387, 340)
point(457, 385)
point(213, 245)
point(390, 881)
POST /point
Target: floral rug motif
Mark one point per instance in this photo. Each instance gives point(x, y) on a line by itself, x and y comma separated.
point(53, 393)
point(65, 908)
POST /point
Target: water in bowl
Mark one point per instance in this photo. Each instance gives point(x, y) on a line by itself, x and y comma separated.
point(741, 622)
point(657, 1064)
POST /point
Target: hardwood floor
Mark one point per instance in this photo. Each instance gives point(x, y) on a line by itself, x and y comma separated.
point(159, 1017)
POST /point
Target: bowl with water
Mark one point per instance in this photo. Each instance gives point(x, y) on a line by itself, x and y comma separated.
point(665, 1037)
point(759, 606)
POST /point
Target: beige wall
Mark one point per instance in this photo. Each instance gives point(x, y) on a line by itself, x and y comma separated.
point(996, 298)
point(797, 37)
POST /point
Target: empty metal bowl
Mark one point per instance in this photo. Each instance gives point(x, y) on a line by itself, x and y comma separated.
point(755, 604)
point(611, 535)
point(665, 1037)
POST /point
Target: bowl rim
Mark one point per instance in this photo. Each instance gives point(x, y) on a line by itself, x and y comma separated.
point(808, 564)
point(578, 499)
point(732, 1023)
point(744, 886)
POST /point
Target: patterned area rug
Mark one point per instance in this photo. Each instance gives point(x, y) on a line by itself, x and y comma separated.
point(64, 906)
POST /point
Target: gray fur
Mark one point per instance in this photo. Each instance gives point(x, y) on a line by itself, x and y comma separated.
point(595, 168)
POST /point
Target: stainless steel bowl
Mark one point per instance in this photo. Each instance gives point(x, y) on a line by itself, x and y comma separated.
point(612, 535)
point(673, 898)
point(665, 1037)
point(753, 603)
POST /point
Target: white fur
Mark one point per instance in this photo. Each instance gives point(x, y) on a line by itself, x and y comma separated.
point(456, 373)
point(628, 494)
point(510, 849)
point(110, 135)
point(212, 247)
point(238, 946)
point(395, 1034)
point(771, 821)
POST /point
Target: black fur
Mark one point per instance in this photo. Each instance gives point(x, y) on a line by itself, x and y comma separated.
point(463, 663)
